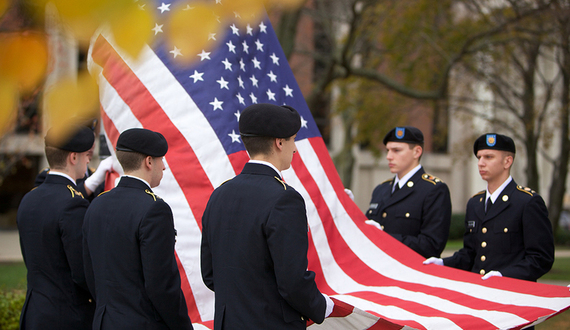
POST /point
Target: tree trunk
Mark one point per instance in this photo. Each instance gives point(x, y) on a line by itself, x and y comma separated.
point(529, 117)
point(560, 172)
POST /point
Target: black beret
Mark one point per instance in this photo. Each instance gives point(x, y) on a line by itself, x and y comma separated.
point(408, 134)
point(264, 119)
point(494, 141)
point(81, 139)
point(143, 141)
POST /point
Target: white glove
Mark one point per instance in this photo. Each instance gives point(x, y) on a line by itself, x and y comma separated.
point(491, 274)
point(433, 260)
point(330, 305)
point(93, 181)
point(349, 193)
point(373, 223)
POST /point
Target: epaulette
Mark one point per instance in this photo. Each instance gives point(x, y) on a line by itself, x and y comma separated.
point(430, 178)
point(101, 193)
point(154, 196)
point(74, 192)
point(479, 193)
point(526, 190)
point(389, 180)
point(282, 182)
point(224, 182)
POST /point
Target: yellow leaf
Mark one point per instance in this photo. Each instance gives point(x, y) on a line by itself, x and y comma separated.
point(249, 11)
point(132, 30)
point(85, 16)
point(190, 31)
point(8, 104)
point(3, 6)
point(23, 58)
point(70, 103)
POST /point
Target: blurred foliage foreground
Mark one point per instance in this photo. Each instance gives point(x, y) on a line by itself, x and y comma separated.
point(25, 60)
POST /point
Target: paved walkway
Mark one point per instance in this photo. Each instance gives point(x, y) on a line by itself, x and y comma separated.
point(10, 246)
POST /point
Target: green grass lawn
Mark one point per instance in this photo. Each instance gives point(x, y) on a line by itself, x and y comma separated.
point(13, 275)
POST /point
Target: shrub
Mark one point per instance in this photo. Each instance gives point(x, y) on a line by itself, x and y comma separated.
point(11, 303)
point(457, 227)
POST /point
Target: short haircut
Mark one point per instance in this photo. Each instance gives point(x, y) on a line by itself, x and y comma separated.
point(130, 161)
point(413, 145)
point(259, 145)
point(509, 153)
point(57, 158)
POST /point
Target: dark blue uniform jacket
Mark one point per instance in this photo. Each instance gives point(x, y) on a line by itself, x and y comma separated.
point(514, 237)
point(254, 254)
point(418, 215)
point(49, 222)
point(130, 264)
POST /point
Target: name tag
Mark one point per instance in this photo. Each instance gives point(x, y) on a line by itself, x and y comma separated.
point(373, 206)
point(470, 224)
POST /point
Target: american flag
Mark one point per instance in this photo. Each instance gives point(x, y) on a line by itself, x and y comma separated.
point(376, 282)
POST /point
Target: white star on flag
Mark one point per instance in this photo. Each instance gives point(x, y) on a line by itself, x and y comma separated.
point(259, 45)
point(204, 55)
point(234, 136)
point(217, 104)
point(223, 83)
point(157, 28)
point(231, 47)
point(164, 7)
point(288, 91)
point(197, 76)
point(272, 76)
point(227, 64)
point(275, 59)
point(176, 52)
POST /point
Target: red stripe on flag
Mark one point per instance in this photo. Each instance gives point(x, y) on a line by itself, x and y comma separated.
point(187, 290)
point(238, 160)
point(182, 161)
point(362, 273)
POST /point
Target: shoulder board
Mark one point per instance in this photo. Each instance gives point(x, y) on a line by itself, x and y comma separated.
point(154, 196)
point(221, 184)
point(106, 191)
point(282, 182)
point(389, 180)
point(430, 178)
point(479, 193)
point(74, 192)
point(44, 169)
point(526, 190)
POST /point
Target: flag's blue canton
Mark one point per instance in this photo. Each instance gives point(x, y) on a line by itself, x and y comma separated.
point(247, 67)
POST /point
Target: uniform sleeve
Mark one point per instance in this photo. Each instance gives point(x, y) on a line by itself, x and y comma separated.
point(206, 253)
point(87, 263)
point(538, 243)
point(287, 240)
point(160, 270)
point(71, 224)
point(464, 258)
point(435, 222)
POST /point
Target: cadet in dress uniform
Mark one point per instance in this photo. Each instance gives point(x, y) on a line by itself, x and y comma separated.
point(49, 223)
point(507, 231)
point(129, 241)
point(414, 207)
point(93, 181)
point(254, 234)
